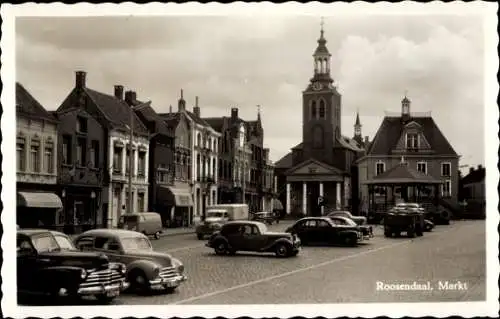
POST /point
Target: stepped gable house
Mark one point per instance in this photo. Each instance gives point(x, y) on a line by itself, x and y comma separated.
point(112, 114)
point(317, 173)
point(36, 155)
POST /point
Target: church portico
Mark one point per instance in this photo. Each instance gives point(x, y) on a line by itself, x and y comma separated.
point(311, 197)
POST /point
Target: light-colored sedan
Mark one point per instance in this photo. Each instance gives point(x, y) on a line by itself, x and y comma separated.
point(360, 220)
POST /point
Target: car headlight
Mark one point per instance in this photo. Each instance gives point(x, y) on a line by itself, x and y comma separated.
point(156, 271)
point(83, 273)
point(178, 265)
point(123, 269)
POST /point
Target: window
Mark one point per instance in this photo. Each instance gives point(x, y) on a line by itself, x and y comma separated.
point(446, 188)
point(140, 202)
point(313, 110)
point(127, 161)
point(81, 124)
point(214, 168)
point(142, 164)
point(127, 202)
point(80, 151)
point(310, 223)
point(322, 109)
point(66, 150)
point(323, 223)
point(379, 168)
point(85, 243)
point(199, 140)
point(21, 154)
point(35, 156)
point(94, 154)
point(214, 200)
point(445, 169)
point(198, 167)
point(411, 140)
point(422, 167)
point(48, 160)
point(215, 145)
point(117, 159)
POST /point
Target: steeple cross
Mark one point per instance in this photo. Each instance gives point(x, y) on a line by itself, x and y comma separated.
point(322, 23)
point(258, 109)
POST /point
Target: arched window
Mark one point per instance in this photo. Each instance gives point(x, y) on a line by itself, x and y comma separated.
point(214, 168)
point(322, 109)
point(313, 110)
point(317, 137)
point(198, 139)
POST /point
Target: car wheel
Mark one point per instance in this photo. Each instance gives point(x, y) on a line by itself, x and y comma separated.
point(104, 300)
point(282, 250)
point(220, 248)
point(139, 282)
point(200, 236)
point(157, 235)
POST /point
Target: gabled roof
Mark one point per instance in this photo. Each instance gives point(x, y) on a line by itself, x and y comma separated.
point(27, 105)
point(197, 119)
point(149, 114)
point(392, 127)
point(476, 176)
point(403, 174)
point(284, 162)
point(217, 123)
point(349, 143)
point(115, 110)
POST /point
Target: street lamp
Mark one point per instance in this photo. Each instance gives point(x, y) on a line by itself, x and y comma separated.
point(131, 138)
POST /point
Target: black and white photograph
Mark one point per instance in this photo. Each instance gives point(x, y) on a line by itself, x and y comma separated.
point(260, 160)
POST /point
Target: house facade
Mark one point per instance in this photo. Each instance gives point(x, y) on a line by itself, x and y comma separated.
point(474, 191)
point(415, 140)
point(162, 162)
point(317, 172)
point(116, 116)
point(81, 162)
point(36, 155)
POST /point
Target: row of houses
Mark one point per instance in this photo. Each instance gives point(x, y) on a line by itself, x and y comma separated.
point(76, 166)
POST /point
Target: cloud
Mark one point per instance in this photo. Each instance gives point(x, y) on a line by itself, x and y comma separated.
point(244, 61)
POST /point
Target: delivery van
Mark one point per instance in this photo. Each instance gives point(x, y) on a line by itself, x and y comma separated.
point(148, 223)
point(217, 215)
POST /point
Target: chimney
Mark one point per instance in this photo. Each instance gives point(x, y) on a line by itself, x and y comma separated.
point(119, 92)
point(80, 79)
point(196, 108)
point(182, 103)
point(234, 113)
point(130, 97)
point(367, 140)
point(170, 109)
point(471, 169)
point(480, 167)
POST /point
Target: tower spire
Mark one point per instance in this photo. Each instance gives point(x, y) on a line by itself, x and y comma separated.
point(258, 112)
point(322, 57)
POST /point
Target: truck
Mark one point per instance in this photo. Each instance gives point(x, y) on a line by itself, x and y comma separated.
point(218, 215)
point(402, 219)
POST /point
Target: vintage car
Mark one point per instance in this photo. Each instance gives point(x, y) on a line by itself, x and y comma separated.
point(440, 216)
point(399, 219)
point(146, 269)
point(44, 267)
point(360, 220)
point(254, 237)
point(265, 217)
point(324, 230)
point(366, 230)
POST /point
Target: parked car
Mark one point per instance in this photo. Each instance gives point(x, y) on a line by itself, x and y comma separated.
point(146, 269)
point(148, 223)
point(399, 220)
point(218, 215)
point(436, 216)
point(360, 220)
point(44, 267)
point(324, 230)
point(265, 217)
point(253, 236)
point(366, 230)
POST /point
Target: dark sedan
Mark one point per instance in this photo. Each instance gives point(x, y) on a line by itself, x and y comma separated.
point(366, 230)
point(323, 230)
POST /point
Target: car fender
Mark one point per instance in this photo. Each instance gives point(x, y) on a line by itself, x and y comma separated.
point(145, 265)
point(218, 237)
point(278, 241)
point(69, 275)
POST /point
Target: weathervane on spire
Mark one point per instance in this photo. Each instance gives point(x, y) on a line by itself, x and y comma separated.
point(322, 24)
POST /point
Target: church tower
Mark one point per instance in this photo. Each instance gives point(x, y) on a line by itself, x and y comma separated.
point(321, 108)
point(358, 137)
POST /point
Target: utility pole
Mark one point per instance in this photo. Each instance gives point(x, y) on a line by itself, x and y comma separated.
point(130, 161)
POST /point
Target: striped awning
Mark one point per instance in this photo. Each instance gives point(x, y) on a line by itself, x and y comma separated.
point(175, 196)
point(38, 200)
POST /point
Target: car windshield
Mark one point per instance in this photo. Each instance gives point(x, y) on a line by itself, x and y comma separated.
point(64, 242)
point(136, 243)
point(45, 243)
point(348, 222)
point(215, 214)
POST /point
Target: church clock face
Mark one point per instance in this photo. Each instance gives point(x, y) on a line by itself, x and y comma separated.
point(317, 86)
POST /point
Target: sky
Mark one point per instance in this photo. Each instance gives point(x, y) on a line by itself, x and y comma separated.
point(247, 61)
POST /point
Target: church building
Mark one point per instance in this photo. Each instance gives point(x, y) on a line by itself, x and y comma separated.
point(317, 173)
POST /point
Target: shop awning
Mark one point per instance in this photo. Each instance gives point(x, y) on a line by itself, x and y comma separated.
point(277, 205)
point(38, 200)
point(174, 196)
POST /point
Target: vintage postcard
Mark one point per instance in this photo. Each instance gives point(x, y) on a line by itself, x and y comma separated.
point(261, 160)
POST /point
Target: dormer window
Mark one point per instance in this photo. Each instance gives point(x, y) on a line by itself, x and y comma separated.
point(379, 168)
point(412, 141)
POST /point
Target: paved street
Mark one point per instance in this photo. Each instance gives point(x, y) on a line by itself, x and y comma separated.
point(332, 274)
